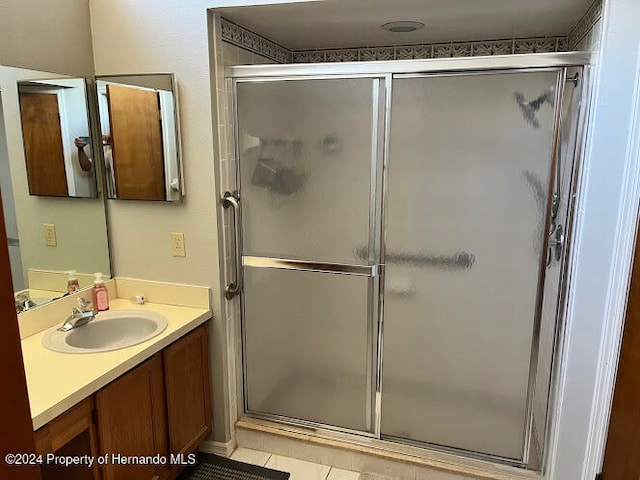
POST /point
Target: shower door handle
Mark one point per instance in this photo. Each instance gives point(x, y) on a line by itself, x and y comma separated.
point(556, 242)
point(232, 288)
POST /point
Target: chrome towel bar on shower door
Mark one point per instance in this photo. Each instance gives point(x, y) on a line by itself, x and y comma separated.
point(318, 267)
point(232, 288)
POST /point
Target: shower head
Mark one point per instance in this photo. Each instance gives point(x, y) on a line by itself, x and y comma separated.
point(529, 109)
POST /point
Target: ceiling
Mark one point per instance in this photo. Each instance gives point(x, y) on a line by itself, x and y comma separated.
point(356, 23)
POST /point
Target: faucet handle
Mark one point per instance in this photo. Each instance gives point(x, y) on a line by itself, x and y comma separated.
point(84, 304)
point(22, 297)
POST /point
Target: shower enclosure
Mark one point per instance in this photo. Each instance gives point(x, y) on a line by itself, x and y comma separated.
point(400, 246)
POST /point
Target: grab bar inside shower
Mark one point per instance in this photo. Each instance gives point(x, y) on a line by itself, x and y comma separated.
point(459, 261)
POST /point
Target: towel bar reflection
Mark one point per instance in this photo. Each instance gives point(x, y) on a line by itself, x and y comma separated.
point(233, 287)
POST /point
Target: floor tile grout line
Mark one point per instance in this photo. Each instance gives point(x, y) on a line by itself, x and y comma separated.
point(328, 472)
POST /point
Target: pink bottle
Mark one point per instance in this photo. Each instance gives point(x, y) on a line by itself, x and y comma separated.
point(100, 294)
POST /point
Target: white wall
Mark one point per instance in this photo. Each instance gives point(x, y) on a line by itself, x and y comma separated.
point(48, 36)
point(171, 37)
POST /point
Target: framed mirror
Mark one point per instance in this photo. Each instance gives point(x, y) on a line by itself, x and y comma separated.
point(49, 235)
point(141, 145)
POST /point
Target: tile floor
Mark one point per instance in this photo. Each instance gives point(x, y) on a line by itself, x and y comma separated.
point(299, 469)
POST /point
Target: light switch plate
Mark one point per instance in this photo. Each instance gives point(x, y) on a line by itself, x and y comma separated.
point(50, 239)
point(177, 244)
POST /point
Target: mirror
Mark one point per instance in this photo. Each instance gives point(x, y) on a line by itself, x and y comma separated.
point(141, 147)
point(55, 135)
point(48, 235)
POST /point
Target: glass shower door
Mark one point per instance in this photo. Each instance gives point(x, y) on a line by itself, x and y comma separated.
point(308, 155)
point(468, 189)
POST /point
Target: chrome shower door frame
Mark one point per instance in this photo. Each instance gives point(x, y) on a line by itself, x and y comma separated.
point(566, 270)
point(374, 268)
point(385, 71)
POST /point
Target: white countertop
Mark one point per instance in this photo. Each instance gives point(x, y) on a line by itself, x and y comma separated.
point(58, 381)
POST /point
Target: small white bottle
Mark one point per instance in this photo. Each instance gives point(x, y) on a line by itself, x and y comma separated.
point(100, 294)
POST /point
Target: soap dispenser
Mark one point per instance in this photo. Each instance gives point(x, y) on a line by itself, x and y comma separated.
point(100, 294)
point(72, 282)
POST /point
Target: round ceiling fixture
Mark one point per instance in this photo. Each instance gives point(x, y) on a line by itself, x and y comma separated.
point(403, 27)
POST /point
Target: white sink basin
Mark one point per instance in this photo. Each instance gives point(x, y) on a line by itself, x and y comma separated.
point(108, 331)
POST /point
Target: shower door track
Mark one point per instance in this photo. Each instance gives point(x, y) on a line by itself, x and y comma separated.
point(386, 71)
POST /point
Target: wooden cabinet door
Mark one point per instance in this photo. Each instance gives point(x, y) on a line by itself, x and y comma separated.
point(622, 455)
point(43, 144)
point(186, 369)
point(71, 434)
point(136, 143)
point(132, 421)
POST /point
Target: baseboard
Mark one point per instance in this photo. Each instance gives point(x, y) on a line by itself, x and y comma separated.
point(224, 449)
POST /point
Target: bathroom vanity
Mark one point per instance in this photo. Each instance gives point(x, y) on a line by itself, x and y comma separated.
point(161, 406)
point(150, 399)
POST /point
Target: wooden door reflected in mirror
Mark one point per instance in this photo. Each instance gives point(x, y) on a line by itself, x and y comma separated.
point(43, 144)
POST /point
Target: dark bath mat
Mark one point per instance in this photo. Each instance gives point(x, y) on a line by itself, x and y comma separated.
point(214, 467)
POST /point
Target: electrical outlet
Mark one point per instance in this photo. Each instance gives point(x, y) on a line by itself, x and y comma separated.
point(50, 239)
point(177, 244)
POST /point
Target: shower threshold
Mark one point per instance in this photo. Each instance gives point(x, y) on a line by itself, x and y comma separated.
point(382, 457)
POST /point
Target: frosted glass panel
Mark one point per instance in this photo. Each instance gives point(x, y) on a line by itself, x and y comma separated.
point(305, 151)
point(468, 185)
point(306, 346)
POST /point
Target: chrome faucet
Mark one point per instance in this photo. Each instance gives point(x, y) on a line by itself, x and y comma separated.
point(80, 315)
point(23, 302)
